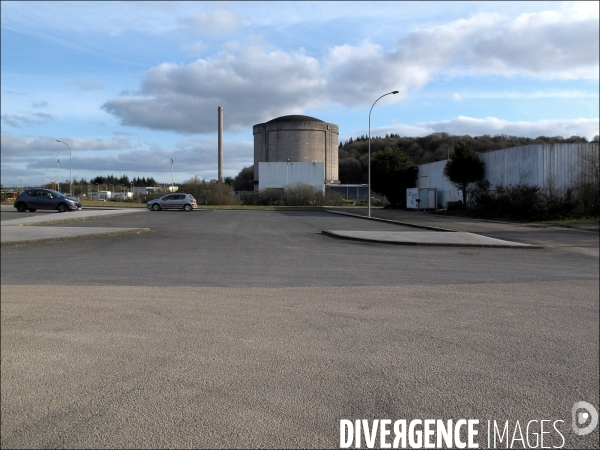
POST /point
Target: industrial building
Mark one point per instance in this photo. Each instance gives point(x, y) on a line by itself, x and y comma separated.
point(559, 165)
point(309, 143)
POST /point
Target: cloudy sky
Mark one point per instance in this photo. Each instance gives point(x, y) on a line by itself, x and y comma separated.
point(130, 85)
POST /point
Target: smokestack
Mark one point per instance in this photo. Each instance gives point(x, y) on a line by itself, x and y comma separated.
point(220, 176)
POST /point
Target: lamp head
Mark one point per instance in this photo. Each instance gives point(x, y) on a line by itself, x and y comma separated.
point(395, 92)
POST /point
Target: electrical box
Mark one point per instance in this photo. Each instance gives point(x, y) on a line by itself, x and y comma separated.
point(421, 198)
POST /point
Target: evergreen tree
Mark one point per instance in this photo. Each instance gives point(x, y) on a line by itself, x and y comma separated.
point(392, 172)
point(464, 168)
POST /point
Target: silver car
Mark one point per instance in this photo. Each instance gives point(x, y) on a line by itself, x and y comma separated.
point(187, 202)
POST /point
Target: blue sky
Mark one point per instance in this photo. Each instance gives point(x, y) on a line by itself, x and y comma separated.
point(131, 85)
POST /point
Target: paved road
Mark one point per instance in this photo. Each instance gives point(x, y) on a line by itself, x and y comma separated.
point(252, 329)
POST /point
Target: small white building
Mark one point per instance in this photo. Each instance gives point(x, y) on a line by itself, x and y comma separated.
point(143, 190)
point(100, 195)
point(120, 196)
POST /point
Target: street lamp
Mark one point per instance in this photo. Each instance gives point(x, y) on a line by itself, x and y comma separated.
point(58, 175)
point(70, 167)
point(369, 181)
point(171, 175)
point(21, 182)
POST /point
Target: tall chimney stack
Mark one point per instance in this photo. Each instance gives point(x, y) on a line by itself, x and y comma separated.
point(220, 176)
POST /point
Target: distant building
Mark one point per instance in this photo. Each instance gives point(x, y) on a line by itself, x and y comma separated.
point(122, 196)
point(143, 190)
point(296, 139)
point(100, 195)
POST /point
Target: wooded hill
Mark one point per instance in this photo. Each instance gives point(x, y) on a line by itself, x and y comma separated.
point(353, 163)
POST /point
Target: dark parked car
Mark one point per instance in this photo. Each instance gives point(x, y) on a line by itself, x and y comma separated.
point(187, 202)
point(34, 199)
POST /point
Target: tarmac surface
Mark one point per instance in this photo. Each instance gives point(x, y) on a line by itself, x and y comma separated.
point(37, 228)
point(252, 329)
point(29, 228)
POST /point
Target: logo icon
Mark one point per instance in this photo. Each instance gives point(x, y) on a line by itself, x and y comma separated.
point(583, 413)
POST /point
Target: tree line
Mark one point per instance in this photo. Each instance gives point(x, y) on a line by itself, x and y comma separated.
point(123, 180)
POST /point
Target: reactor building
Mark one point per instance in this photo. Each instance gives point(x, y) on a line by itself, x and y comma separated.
point(295, 149)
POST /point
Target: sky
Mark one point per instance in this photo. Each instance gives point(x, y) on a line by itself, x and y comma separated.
point(128, 86)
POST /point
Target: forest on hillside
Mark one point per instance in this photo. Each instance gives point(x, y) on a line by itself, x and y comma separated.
point(353, 154)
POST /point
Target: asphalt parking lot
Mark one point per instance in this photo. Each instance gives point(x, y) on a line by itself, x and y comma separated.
point(253, 329)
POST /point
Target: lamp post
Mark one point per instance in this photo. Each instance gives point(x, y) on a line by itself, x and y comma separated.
point(58, 174)
point(21, 183)
point(70, 169)
point(369, 191)
point(171, 175)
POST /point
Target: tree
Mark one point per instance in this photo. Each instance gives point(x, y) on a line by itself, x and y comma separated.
point(392, 172)
point(244, 181)
point(350, 171)
point(464, 167)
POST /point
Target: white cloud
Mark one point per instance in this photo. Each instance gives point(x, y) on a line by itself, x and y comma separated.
point(24, 149)
point(121, 155)
point(544, 45)
point(217, 22)
point(457, 97)
point(17, 121)
point(194, 49)
point(256, 82)
point(252, 84)
point(518, 95)
point(491, 125)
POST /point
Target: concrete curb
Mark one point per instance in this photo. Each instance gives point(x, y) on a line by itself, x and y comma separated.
point(405, 224)
point(74, 238)
point(413, 242)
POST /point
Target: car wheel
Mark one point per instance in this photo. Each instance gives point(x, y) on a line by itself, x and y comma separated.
point(32, 209)
point(21, 207)
point(156, 207)
point(187, 208)
point(62, 207)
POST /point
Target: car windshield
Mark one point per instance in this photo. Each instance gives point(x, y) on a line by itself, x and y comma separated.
point(56, 193)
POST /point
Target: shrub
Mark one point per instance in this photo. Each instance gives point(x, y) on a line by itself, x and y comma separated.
point(521, 202)
point(210, 193)
point(299, 195)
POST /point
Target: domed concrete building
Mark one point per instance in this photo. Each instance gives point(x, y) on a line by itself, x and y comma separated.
point(297, 139)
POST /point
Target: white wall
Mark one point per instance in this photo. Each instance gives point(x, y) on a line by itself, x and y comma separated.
point(538, 165)
point(278, 175)
point(100, 195)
